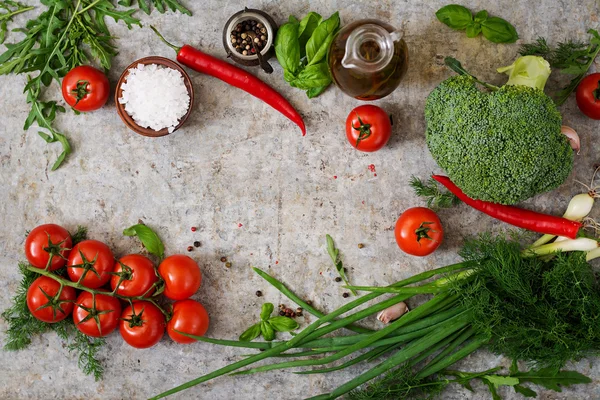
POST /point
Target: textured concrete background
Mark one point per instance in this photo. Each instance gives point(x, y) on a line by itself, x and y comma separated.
point(260, 194)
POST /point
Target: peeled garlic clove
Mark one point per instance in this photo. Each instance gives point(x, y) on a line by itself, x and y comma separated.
point(392, 313)
point(572, 136)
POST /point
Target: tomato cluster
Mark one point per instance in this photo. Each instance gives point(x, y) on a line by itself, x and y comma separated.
point(102, 294)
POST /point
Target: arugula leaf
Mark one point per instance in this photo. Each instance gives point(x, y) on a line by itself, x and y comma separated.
point(148, 237)
point(550, 379)
point(12, 8)
point(525, 391)
point(318, 44)
point(251, 333)
point(498, 380)
point(334, 254)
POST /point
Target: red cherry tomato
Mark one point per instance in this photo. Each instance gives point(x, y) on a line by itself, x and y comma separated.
point(97, 259)
point(103, 316)
point(419, 231)
point(588, 96)
point(368, 128)
point(85, 88)
point(42, 301)
point(139, 275)
point(190, 317)
point(182, 276)
point(45, 242)
point(142, 325)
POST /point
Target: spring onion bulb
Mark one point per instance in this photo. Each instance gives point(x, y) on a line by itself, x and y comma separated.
point(579, 244)
point(590, 255)
point(392, 313)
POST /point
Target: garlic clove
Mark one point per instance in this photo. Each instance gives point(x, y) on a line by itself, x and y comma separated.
point(572, 136)
point(392, 313)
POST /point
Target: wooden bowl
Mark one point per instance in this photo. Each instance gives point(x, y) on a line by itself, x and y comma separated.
point(128, 120)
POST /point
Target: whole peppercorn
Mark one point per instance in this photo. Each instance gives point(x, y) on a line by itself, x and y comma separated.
point(223, 259)
point(281, 306)
point(309, 302)
point(193, 229)
point(258, 293)
point(345, 295)
point(299, 311)
point(282, 313)
point(197, 244)
point(360, 245)
point(245, 52)
point(228, 264)
point(338, 279)
point(244, 35)
point(190, 248)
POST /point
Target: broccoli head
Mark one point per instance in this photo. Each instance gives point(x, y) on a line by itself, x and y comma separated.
point(503, 146)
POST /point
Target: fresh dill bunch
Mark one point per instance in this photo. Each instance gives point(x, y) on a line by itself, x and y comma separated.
point(80, 234)
point(538, 48)
point(430, 191)
point(87, 349)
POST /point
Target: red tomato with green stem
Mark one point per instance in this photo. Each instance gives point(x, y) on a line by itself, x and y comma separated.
point(48, 246)
point(142, 325)
point(368, 128)
point(48, 301)
point(134, 275)
point(588, 96)
point(85, 88)
point(96, 315)
point(90, 263)
point(419, 231)
point(190, 317)
point(181, 275)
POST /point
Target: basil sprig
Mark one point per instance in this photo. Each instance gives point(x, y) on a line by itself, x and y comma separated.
point(494, 29)
point(301, 48)
point(268, 325)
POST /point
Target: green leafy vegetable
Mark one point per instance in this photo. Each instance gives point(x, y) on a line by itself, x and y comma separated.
point(160, 5)
point(494, 29)
point(301, 48)
point(268, 325)
point(572, 58)
point(430, 191)
point(149, 239)
point(335, 257)
point(87, 349)
point(12, 8)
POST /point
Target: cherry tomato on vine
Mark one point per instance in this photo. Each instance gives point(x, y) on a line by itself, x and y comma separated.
point(45, 242)
point(138, 276)
point(182, 276)
point(85, 88)
point(368, 128)
point(43, 302)
point(190, 317)
point(97, 319)
point(142, 325)
point(588, 96)
point(92, 258)
point(419, 231)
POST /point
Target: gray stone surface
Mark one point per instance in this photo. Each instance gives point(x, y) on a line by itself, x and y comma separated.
point(260, 194)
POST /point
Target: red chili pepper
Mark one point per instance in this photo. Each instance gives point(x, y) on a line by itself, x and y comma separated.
point(207, 64)
point(526, 219)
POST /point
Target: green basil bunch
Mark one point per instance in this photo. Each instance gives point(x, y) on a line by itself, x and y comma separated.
point(301, 49)
point(494, 29)
point(268, 325)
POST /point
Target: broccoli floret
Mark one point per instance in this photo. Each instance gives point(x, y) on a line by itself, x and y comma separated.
point(504, 146)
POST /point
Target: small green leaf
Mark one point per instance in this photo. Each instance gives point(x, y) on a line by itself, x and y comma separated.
point(455, 16)
point(313, 76)
point(502, 380)
point(548, 378)
point(525, 391)
point(267, 331)
point(473, 30)
point(266, 311)
point(498, 30)
point(481, 16)
point(287, 49)
point(283, 324)
point(251, 333)
point(148, 237)
point(307, 27)
point(318, 44)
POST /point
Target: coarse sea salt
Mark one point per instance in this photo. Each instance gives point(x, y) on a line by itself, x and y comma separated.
point(155, 96)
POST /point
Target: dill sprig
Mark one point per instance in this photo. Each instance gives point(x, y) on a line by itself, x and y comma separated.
point(87, 349)
point(430, 191)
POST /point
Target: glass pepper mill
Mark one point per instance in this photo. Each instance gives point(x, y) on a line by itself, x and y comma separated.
point(368, 59)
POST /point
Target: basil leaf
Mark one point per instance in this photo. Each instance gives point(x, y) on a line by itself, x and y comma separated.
point(251, 333)
point(481, 16)
point(266, 311)
point(455, 16)
point(287, 49)
point(313, 76)
point(318, 44)
point(306, 29)
point(498, 30)
point(473, 30)
point(267, 331)
point(288, 76)
point(283, 324)
point(148, 237)
point(314, 92)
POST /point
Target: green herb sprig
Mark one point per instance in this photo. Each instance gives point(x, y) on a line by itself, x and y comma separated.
point(12, 8)
point(339, 266)
point(268, 325)
point(160, 5)
point(571, 57)
point(430, 191)
point(494, 29)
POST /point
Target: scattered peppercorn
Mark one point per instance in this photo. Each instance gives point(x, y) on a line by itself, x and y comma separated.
point(345, 295)
point(360, 245)
point(345, 269)
point(281, 306)
point(596, 166)
point(190, 248)
point(309, 302)
point(282, 313)
point(258, 293)
point(228, 264)
point(197, 244)
point(338, 279)
point(240, 36)
point(194, 229)
point(299, 311)
point(223, 259)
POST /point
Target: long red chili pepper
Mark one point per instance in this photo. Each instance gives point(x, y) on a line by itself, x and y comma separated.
point(207, 64)
point(526, 219)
